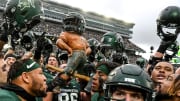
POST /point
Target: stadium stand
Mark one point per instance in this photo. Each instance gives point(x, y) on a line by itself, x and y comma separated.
point(96, 25)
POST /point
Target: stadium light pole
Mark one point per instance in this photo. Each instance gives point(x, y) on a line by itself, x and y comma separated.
point(151, 48)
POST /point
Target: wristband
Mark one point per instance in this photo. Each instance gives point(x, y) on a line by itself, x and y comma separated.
point(162, 48)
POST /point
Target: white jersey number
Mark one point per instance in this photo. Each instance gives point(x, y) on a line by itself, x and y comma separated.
point(68, 97)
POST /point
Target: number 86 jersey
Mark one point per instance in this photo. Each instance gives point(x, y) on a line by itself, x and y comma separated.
point(70, 92)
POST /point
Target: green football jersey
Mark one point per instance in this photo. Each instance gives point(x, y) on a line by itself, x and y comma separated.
point(97, 97)
point(70, 92)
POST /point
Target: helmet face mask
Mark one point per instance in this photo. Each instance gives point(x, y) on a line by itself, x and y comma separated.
point(74, 22)
point(107, 51)
point(166, 30)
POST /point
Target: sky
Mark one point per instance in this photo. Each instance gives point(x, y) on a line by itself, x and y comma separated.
point(143, 13)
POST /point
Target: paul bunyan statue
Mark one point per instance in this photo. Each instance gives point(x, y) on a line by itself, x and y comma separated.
point(73, 42)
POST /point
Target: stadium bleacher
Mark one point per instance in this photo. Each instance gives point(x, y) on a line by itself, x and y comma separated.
point(96, 25)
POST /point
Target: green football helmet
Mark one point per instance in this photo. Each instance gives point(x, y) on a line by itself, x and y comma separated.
point(94, 45)
point(171, 51)
point(141, 62)
point(168, 23)
point(113, 40)
point(47, 46)
point(112, 46)
point(93, 42)
point(129, 76)
point(74, 22)
point(23, 14)
point(27, 40)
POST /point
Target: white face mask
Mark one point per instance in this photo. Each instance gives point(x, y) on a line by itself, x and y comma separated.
point(169, 30)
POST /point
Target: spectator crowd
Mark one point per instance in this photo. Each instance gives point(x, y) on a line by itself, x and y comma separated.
point(80, 69)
